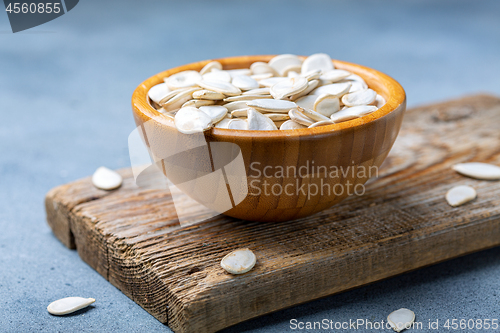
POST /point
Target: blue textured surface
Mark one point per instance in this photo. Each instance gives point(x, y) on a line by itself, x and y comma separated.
point(65, 110)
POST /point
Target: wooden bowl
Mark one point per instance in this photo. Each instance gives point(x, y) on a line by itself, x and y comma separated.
point(345, 149)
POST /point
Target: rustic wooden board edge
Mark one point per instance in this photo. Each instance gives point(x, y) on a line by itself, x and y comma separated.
point(193, 312)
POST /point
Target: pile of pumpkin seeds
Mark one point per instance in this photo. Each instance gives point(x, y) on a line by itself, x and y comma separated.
point(286, 93)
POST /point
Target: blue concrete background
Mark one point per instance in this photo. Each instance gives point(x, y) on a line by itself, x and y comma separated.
point(65, 91)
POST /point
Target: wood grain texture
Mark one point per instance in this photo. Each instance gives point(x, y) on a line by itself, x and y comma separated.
point(131, 236)
point(364, 141)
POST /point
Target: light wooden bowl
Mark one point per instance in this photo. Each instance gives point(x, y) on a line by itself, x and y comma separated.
point(360, 144)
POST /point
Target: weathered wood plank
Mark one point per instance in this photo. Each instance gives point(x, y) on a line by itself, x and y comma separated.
point(131, 236)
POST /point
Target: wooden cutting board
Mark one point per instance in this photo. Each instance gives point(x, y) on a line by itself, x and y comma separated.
point(131, 236)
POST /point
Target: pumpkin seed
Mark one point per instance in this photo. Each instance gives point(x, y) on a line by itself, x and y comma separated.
point(459, 195)
point(245, 82)
point(318, 61)
point(271, 105)
point(352, 113)
point(262, 68)
point(217, 75)
point(361, 97)
point(300, 118)
point(290, 125)
point(158, 92)
point(191, 120)
point(478, 170)
point(211, 66)
point(239, 261)
point(335, 75)
point(246, 98)
point(312, 114)
point(257, 121)
point(223, 87)
point(401, 319)
point(238, 124)
point(321, 123)
point(327, 104)
point(336, 89)
point(288, 87)
point(311, 85)
point(215, 112)
point(260, 91)
point(277, 116)
point(208, 94)
point(183, 79)
point(223, 123)
point(106, 179)
point(283, 61)
point(68, 305)
point(198, 102)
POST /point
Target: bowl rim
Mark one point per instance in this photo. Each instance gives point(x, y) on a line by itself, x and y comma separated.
point(394, 94)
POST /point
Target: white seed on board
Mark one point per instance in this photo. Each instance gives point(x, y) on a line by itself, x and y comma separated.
point(321, 123)
point(291, 74)
point(183, 79)
point(319, 61)
point(288, 87)
point(191, 120)
point(106, 179)
point(300, 118)
point(158, 92)
point(246, 98)
point(361, 97)
point(260, 91)
point(217, 75)
point(223, 87)
point(307, 101)
point(277, 116)
point(311, 85)
point(210, 66)
point(401, 319)
point(283, 61)
point(237, 124)
point(327, 104)
point(245, 82)
point(223, 123)
point(260, 67)
point(239, 261)
point(459, 195)
point(291, 125)
point(198, 102)
point(478, 170)
point(312, 114)
point(337, 89)
point(215, 112)
point(68, 305)
point(352, 113)
point(258, 122)
point(208, 94)
point(271, 105)
point(335, 75)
